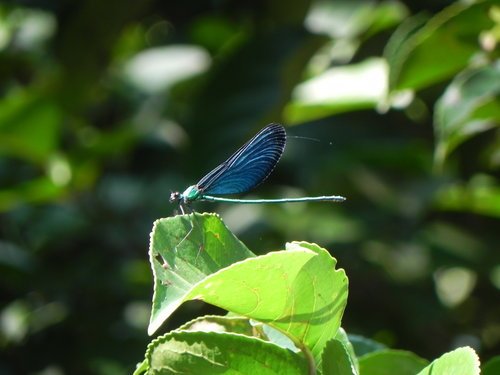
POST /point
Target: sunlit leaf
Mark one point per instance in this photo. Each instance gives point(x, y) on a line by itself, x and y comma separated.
point(440, 48)
point(397, 48)
point(461, 361)
point(303, 305)
point(214, 323)
point(339, 89)
point(469, 105)
point(337, 360)
point(26, 29)
point(344, 338)
point(454, 285)
point(157, 69)
point(348, 19)
point(183, 251)
point(306, 301)
point(276, 337)
point(386, 15)
point(215, 353)
point(141, 367)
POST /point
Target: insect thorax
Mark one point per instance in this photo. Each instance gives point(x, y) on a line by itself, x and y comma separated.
point(191, 193)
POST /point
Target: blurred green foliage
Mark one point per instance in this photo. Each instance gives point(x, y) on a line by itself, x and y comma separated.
point(106, 107)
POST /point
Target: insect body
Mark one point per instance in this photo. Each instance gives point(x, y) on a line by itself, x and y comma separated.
point(245, 169)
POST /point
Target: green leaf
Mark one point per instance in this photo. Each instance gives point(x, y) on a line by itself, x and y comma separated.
point(215, 323)
point(469, 105)
point(306, 300)
point(216, 353)
point(297, 291)
point(481, 195)
point(391, 362)
point(345, 340)
point(461, 361)
point(439, 49)
point(183, 251)
point(385, 15)
point(276, 337)
point(34, 191)
point(337, 90)
point(141, 367)
point(302, 304)
point(351, 20)
point(363, 345)
point(492, 367)
point(397, 47)
point(336, 359)
point(157, 69)
point(29, 126)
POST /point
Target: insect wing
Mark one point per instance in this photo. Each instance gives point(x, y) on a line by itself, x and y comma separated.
point(248, 166)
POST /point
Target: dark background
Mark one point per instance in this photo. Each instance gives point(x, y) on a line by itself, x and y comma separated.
point(95, 133)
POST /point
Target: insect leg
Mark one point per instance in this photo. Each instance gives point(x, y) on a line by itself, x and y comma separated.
point(186, 211)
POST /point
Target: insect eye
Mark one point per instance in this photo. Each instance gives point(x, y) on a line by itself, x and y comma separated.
point(175, 196)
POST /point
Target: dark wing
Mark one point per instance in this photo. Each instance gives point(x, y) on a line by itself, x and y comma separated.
point(248, 166)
